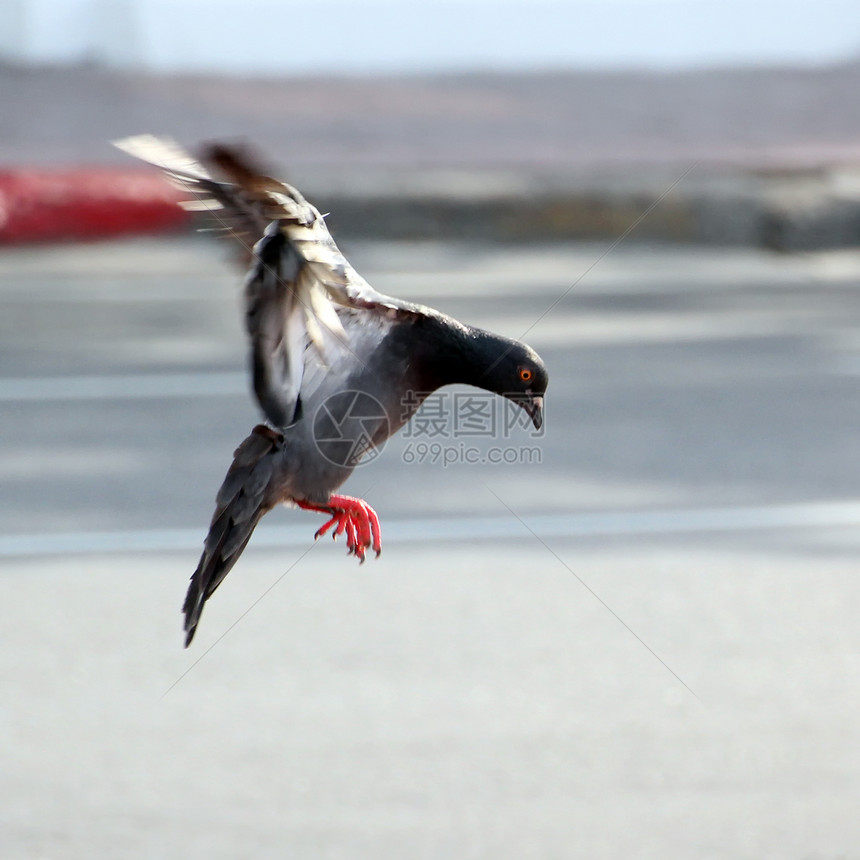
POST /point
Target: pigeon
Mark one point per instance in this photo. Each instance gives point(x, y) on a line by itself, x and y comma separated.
point(336, 366)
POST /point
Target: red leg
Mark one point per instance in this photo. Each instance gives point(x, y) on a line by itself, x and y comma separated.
point(342, 523)
point(352, 544)
point(375, 530)
point(352, 517)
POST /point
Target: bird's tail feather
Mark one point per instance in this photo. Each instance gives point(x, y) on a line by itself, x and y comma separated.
point(242, 501)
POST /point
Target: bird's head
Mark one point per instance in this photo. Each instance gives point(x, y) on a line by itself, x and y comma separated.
point(469, 355)
point(520, 375)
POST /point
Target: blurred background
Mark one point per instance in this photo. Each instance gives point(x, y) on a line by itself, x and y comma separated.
point(635, 638)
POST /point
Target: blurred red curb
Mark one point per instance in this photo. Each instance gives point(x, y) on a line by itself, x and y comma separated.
point(72, 204)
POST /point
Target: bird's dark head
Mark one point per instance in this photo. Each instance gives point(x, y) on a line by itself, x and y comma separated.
point(517, 372)
point(457, 353)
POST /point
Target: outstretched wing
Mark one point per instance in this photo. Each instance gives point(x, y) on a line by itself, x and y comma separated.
point(297, 274)
point(247, 204)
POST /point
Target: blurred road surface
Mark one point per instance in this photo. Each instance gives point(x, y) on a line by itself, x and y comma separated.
point(560, 123)
point(644, 645)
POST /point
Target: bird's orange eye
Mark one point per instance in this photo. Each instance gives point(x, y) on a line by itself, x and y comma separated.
point(525, 374)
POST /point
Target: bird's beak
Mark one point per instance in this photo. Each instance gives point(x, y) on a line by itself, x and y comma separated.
point(534, 407)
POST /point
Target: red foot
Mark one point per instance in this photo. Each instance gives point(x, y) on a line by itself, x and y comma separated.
point(352, 517)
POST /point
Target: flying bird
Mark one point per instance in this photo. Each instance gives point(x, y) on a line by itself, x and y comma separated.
point(336, 366)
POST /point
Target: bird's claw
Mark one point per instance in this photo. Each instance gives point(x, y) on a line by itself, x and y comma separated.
point(353, 518)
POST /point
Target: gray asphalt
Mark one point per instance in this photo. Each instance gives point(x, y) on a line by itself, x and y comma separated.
point(344, 128)
point(644, 645)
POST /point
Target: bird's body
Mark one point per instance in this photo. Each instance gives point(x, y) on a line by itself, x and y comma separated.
point(336, 366)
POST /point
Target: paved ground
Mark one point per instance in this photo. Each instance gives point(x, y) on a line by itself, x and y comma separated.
point(696, 526)
point(564, 123)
